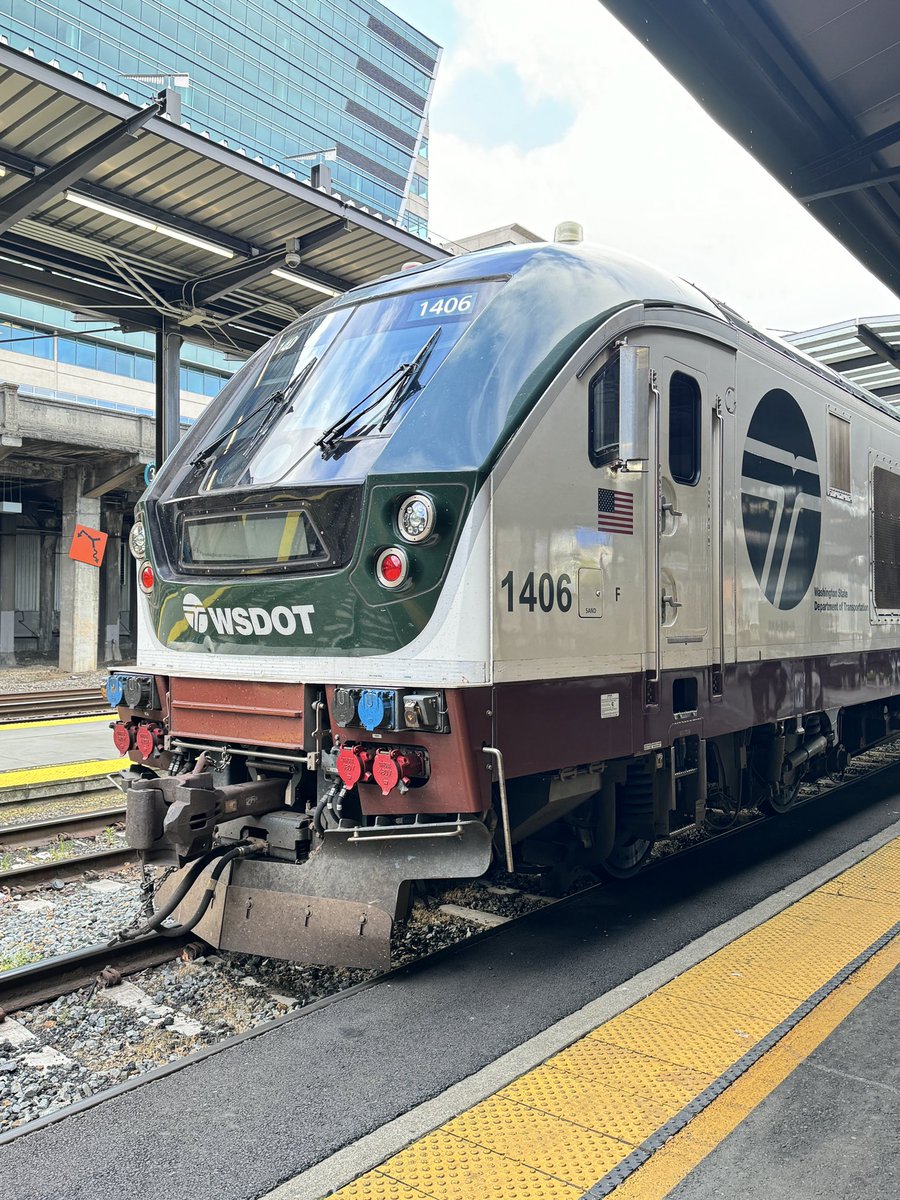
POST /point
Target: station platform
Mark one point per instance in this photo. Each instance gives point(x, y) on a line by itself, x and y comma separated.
point(34, 752)
point(723, 1025)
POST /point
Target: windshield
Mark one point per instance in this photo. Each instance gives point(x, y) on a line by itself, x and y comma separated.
point(361, 366)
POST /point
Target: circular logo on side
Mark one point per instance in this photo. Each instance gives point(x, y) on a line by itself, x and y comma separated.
point(781, 499)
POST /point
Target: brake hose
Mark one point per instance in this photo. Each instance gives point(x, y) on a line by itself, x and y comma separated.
point(166, 910)
point(241, 850)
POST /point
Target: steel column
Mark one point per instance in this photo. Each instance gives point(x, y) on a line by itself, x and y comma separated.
point(168, 390)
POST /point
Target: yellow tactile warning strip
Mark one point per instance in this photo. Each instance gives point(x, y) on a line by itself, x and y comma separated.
point(41, 724)
point(591, 1115)
point(686, 1150)
point(61, 772)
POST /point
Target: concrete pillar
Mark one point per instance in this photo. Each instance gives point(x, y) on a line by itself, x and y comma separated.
point(79, 602)
point(49, 542)
point(111, 588)
point(8, 590)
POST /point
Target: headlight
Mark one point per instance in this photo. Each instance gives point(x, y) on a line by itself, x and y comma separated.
point(137, 540)
point(416, 517)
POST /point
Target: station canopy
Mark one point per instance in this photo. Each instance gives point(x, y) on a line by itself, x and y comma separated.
point(116, 211)
point(810, 88)
point(867, 352)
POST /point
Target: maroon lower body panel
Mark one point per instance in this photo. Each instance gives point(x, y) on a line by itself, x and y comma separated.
point(544, 725)
point(249, 713)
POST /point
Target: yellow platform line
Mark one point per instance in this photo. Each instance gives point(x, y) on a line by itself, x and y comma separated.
point(47, 721)
point(556, 1131)
point(61, 772)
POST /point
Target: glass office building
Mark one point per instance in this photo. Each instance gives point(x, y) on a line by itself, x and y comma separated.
point(276, 79)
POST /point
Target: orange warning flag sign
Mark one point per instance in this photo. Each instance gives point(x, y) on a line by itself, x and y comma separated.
point(88, 545)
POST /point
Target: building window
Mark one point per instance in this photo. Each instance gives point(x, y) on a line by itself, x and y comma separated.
point(25, 339)
point(684, 428)
point(416, 225)
point(420, 186)
point(838, 457)
point(603, 415)
point(423, 148)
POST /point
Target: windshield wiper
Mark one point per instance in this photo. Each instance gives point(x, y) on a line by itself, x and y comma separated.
point(402, 381)
point(273, 406)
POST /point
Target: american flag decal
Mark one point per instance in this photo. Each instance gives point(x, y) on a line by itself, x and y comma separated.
point(615, 511)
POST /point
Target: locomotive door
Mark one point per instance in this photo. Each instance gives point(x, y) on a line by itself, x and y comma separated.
point(685, 517)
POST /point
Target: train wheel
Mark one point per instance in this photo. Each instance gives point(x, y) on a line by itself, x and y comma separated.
point(782, 797)
point(634, 820)
point(628, 855)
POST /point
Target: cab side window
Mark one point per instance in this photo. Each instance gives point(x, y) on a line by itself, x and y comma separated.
point(684, 428)
point(603, 415)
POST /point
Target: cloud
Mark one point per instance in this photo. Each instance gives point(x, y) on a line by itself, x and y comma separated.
point(640, 165)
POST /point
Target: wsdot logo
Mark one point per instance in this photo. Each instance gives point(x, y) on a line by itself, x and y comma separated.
point(195, 613)
point(247, 622)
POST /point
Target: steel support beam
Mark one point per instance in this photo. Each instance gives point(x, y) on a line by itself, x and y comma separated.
point(874, 342)
point(131, 311)
point(203, 291)
point(856, 181)
point(30, 196)
point(198, 292)
point(856, 151)
point(168, 390)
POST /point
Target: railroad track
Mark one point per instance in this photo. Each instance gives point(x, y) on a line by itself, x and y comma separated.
point(27, 706)
point(37, 983)
point(82, 824)
point(35, 834)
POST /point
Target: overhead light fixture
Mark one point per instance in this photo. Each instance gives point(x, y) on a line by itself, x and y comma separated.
point(121, 214)
point(302, 281)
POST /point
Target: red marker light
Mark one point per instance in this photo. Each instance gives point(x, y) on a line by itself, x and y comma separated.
point(147, 577)
point(121, 737)
point(392, 567)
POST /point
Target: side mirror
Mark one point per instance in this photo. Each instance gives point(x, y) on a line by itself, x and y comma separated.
point(634, 405)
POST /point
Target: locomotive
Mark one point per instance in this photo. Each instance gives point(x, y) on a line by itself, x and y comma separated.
point(536, 554)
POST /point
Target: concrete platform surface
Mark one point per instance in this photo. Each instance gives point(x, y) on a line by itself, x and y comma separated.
point(831, 1129)
point(52, 743)
point(239, 1122)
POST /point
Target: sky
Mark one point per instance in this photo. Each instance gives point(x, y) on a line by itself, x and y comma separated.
point(544, 112)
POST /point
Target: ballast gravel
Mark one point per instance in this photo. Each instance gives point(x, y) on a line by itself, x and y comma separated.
point(56, 1054)
point(66, 916)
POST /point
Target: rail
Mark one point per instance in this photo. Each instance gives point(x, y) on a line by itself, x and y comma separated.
point(18, 706)
point(21, 987)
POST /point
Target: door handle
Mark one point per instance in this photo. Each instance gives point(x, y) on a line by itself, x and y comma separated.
point(668, 507)
point(670, 602)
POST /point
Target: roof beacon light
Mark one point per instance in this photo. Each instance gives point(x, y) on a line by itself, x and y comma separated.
point(392, 567)
point(415, 518)
point(568, 231)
